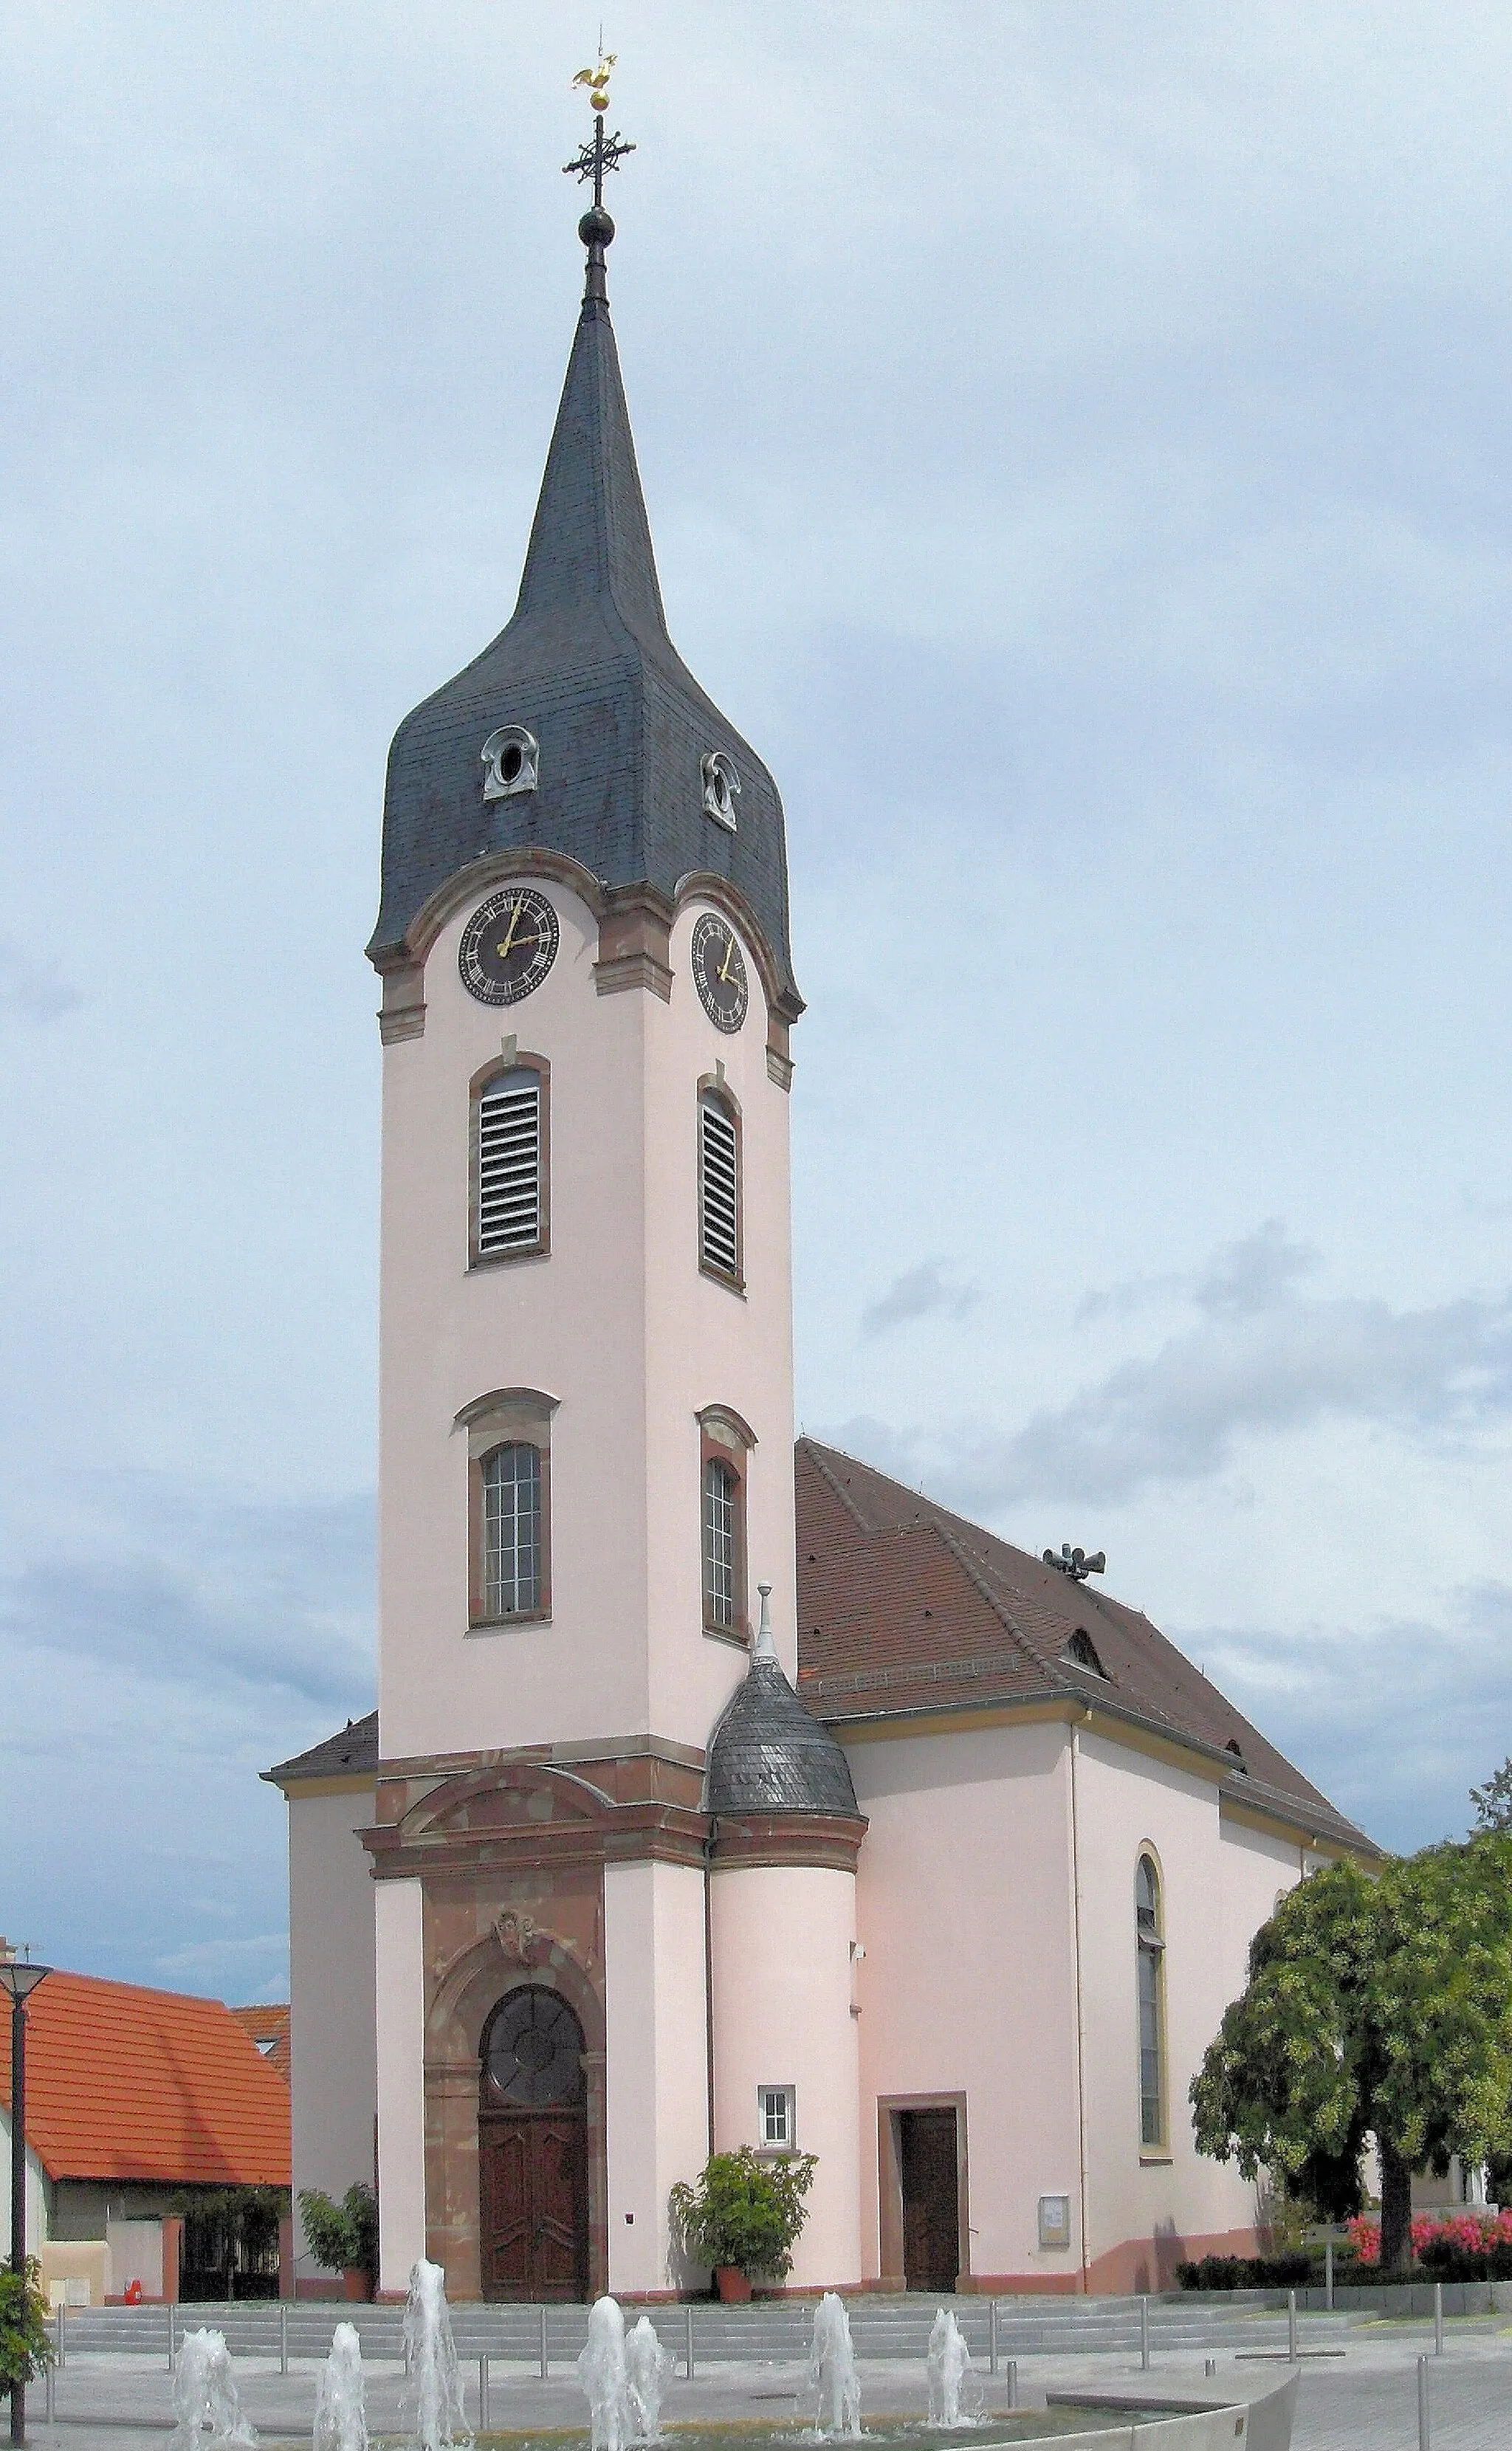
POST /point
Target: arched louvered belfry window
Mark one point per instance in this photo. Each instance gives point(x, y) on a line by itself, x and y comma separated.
point(513, 1546)
point(720, 1239)
point(510, 1148)
point(1150, 1945)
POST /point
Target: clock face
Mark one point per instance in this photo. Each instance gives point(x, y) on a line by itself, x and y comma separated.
point(719, 968)
point(508, 945)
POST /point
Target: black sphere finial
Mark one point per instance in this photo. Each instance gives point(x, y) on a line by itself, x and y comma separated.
point(596, 226)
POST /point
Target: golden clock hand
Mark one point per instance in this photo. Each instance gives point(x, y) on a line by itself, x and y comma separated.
point(728, 956)
point(514, 922)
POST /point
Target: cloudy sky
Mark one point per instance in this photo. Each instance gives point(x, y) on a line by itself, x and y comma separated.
point(1075, 436)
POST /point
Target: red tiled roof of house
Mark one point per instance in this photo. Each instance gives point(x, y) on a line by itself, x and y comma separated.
point(904, 1608)
point(267, 2024)
point(123, 2083)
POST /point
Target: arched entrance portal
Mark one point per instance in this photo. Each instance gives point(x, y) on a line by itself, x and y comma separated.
point(533, 2148)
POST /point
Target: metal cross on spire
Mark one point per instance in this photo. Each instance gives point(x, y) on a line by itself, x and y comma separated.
point(604, 153)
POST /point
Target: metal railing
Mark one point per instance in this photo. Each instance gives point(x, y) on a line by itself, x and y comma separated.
point(545, 2338)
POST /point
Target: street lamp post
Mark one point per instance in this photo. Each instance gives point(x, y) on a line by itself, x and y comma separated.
point(20, 1978)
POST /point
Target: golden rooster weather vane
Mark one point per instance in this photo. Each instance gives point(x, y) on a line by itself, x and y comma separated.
point(603, 153)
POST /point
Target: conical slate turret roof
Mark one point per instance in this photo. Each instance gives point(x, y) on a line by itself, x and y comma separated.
point(768, 1755)
point(587, 667)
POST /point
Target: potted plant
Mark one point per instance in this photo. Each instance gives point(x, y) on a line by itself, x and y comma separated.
point(743, 2216)
point(343, 2237)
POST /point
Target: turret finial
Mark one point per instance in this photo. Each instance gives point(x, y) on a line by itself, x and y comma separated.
point(765, 1645)
point(596, 228)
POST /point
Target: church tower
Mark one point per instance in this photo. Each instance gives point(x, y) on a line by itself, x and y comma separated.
point(586, 1431)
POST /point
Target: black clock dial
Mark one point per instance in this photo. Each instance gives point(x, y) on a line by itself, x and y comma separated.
point(719, 968)
point(508, 945)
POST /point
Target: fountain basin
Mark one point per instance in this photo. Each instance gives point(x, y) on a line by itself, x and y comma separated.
point(1113, 2424)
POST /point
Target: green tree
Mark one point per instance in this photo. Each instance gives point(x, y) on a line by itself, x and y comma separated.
point(1493, 1802)
point(26, 2350)
point(1374, 2006)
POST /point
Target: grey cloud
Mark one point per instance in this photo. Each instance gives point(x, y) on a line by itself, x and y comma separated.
point(177, 1582)
point(924, 1292)
point(1392, 1721)
point(1255, 1274)
point(1438, 1374)
point(32, 990)
point(1260, 1359)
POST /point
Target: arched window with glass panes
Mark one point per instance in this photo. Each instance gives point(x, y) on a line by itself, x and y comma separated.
point(513, 1562)
point(1150, 1945)
point(722, 1545)
point(510, 1148)
point(719, 1236)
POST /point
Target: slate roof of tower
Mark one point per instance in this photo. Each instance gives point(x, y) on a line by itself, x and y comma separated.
point(906, 1608)
point(770, 1755)
point(587, 666)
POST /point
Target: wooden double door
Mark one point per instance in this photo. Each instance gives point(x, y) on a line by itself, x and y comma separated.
point(534, 2200)
point(533, 2149)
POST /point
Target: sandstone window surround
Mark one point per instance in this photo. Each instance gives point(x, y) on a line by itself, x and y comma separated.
point(509, 1159)
point(725, 1443)
point(508, 1507)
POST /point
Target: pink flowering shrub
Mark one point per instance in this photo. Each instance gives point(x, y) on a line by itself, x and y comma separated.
point(1471, 2233)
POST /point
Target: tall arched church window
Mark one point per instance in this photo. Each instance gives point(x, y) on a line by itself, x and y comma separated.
point(508, 1506)
point(721, 1497)
point(1150, 1945)
point(719, 1253)
point(512, 1543)
point(726, 1440)
point(510, 1150)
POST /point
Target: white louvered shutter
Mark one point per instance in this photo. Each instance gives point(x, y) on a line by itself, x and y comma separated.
point(718, 1188)
point(509, 1164)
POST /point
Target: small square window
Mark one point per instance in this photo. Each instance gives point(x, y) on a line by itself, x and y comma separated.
point(775, 2120)
point(1055, 2221)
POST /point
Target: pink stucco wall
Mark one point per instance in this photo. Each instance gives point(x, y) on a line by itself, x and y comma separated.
point(963, 1907)
point(1219, 1882)
point(655, 2071)
point(398, 1911)
point(969, 1912)
point(617, 1323)
point(782, 1941)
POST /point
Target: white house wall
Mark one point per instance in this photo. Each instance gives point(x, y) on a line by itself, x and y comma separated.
point(36, 2191)
point(333, 1996)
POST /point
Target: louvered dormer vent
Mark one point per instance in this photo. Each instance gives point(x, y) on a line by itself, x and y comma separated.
point(1083, 1650)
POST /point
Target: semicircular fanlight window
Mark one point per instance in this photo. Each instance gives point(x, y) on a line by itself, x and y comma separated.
point(533, 2051)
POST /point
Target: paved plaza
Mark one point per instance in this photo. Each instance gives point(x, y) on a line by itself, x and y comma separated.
point(1364, 2400)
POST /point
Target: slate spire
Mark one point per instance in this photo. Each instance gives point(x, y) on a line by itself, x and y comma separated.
point(588, 668)
point(591, 537)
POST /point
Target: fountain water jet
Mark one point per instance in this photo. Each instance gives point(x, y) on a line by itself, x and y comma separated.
point(602, 2374)
point(955, 2389)
point(205, 2401)
point(832, 2371)
point(433, 2402)
point(648, 2372)
point(341, 2414)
